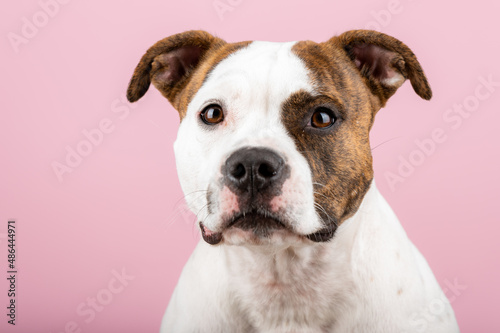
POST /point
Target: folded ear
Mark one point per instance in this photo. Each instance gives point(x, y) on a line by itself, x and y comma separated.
point(169, 64)
point(384, 62)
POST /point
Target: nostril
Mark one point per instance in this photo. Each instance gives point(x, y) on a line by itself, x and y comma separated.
point(239, 171)
point(252, 169)
point(266, 170)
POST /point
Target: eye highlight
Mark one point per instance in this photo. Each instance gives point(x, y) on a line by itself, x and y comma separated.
point(322, 118)
point(212, 114)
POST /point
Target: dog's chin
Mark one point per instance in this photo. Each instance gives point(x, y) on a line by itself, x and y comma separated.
point(260, 229)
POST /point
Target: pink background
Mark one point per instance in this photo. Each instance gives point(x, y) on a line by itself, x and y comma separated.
point(122, 207)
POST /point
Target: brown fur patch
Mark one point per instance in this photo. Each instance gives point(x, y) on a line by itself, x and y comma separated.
point(163, 65)
point(340, 157)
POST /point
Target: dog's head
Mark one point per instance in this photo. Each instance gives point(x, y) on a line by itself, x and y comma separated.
point(273, 143)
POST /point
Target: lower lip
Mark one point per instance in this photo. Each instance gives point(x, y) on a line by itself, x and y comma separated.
point(257, 226)
point(210, 237)
point(322, 236)
point(254, 221)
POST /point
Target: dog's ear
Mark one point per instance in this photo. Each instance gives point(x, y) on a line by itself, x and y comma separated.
point(170, 63)
point(384, 62)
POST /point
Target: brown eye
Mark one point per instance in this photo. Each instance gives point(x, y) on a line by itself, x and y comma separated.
point(212, 114)
point(322, 118)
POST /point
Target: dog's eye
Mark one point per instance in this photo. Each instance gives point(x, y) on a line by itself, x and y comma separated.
point(212, 114)
point(322, 118)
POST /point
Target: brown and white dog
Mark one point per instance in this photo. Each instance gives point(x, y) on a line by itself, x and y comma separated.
point(274, 158)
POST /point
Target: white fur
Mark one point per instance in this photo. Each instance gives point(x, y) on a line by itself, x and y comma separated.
point(250, 85)
point(368, 278)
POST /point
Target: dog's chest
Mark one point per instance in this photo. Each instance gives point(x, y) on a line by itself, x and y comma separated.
point(290, 290)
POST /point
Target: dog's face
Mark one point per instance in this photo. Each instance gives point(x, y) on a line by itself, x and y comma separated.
point(273, 144)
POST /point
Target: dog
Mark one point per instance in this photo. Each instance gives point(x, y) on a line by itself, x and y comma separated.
point(273, 157)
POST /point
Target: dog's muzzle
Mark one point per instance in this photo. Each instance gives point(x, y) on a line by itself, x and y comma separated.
point(253, 177)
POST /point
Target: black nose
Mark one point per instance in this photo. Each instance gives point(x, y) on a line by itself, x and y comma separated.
point(254, 169)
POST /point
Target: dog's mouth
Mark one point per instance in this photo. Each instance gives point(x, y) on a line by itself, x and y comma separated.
point(260, 226)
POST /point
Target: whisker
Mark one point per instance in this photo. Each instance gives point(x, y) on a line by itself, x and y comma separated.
point(180, 209)
point(202, 207)
point(190, 193)
point(321, 194)
point(398, 137)
point(317, 205)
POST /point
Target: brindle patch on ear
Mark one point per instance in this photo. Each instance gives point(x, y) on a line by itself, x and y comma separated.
point(178, 65)
point(381, 58)
point(174, 57)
